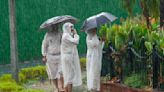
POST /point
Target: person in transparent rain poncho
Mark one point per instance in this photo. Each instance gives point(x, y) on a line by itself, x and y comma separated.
point(94, 58)
point(70, 58)
point(52, 56)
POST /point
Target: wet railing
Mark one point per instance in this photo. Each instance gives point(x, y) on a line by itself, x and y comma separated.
point(123, 63)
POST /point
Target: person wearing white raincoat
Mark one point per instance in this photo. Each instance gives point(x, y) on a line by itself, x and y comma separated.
point(70, 58)
point(94, 58)
point(52, 56)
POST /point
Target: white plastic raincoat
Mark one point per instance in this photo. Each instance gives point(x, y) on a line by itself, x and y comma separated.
point(51, 49)
point(94, 57)
point(70, 58)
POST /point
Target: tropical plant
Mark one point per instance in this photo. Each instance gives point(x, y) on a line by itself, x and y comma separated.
point(135, 81)
point(133, 29)
point(149, 47)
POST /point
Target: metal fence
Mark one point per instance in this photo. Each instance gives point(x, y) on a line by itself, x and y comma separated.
point(128, 61)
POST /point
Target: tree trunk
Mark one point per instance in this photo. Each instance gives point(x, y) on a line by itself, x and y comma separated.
point(145, 13)
point(13, 40)
point(147, 20)
point(161, 13)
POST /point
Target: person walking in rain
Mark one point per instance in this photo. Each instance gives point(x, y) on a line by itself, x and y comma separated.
point(94, 58)
point(70, 58)
point(52, 56)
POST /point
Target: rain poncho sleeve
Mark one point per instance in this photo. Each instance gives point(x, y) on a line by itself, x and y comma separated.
point(94, 57)
point(70, 58)
point(73, 40)
point(44, 45)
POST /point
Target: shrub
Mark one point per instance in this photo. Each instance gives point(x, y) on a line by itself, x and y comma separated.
point(10, 87)
point(26, 74)
point(83, 63)
point(22, 78)
point(6, 78)
point(133, 29)
point(33, 73)
point(8, 84)
point(14, 87)
point(134, 81)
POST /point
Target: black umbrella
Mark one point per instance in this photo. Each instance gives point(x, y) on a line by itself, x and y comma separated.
point(58, 20)
point(97, 20)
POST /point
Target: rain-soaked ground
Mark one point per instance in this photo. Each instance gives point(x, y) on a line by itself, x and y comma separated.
point(47, 87)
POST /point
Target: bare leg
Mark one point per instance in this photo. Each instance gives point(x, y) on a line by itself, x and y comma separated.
point(55, 82)
point(61, 84)
point(69, 87)
point(66, 88)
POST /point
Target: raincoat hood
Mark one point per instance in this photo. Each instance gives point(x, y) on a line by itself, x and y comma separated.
point(67, 27)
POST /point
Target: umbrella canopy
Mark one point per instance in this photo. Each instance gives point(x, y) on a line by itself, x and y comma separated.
point(57, 20)
point(97, 20)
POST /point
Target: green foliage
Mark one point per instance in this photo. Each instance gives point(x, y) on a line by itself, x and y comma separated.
point(83, 63)
point(26, 74)
point(14, 87)
point(10, 87)
point(33, 73)
point(120, 38)
point(111, 33)
point(154, 36)
point(148, 46)
point(133, 29)
point(8, 84)
point(162, 44)
point(6, 78)
point(152, 6)
point(129, 5)
point(32, 90)
point(103, 31)
point(135, 81)
point(22, 78)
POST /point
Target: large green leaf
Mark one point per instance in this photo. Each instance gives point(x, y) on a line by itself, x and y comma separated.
point(120, 39)
point(148, 46)
point(155, 37)
point(103, 31)
point(162, 44)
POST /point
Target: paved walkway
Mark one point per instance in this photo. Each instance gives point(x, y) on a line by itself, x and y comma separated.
point(47, 87)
